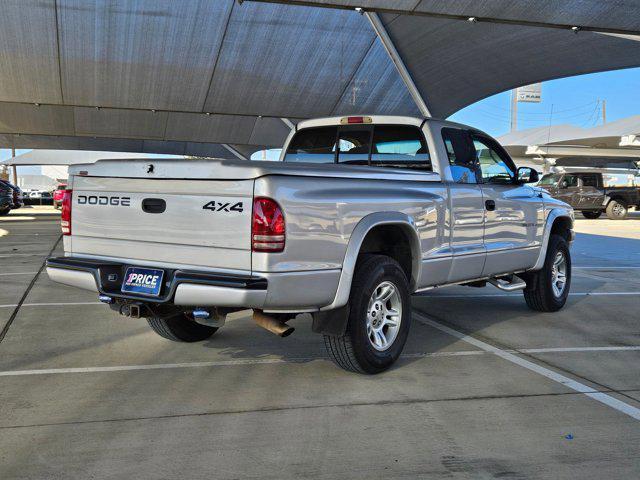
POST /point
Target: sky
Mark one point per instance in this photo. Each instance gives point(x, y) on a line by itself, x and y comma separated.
point(574, 100)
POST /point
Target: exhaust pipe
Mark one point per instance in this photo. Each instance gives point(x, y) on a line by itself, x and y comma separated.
point(272, 324)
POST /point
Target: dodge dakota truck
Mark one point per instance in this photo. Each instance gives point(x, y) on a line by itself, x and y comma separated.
point(359, 213)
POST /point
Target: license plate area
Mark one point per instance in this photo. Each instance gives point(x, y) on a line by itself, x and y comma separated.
point(143, 281)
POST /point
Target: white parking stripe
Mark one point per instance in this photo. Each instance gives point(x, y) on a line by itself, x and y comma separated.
point(50, 304)
point(604, 268)
point(574, 294)
point(17, 273)
point(545, 372)
point(268, 361)
point(578, 349)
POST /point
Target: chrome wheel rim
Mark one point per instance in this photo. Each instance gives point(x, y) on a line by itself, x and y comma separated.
point(618, 210)
point(559, 274)
point(384, 315)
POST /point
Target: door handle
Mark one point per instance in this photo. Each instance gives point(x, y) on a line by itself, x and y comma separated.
point(490, 205)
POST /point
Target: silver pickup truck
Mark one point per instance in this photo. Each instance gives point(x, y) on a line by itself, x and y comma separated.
point(359, 213)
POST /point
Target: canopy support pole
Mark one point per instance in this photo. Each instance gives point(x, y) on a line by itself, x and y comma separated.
point(288, 123)
point(13, 167)
point(388, 45)
point(234, 151)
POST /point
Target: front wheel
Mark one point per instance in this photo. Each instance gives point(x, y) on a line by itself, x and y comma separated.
point(179, 328)
point(379, 318)
point(591, 215)
point(547, 289)
point(617, 210)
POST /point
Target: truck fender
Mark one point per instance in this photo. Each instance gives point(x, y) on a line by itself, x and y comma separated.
point(551, 218)
point(355, 242)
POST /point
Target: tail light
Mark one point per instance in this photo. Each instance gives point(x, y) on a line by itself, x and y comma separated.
point(267, 227)
point(65, 215)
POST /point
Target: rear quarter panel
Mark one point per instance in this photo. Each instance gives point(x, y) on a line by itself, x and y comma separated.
point(321, 214)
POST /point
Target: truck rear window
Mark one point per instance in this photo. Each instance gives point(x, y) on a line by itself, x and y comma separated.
point(390, 146)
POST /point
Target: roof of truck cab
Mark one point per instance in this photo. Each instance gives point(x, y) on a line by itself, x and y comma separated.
point(383, 119)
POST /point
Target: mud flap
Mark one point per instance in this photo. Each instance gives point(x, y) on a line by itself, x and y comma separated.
point(331, 322)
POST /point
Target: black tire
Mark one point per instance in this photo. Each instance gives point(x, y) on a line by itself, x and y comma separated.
point(591, 215)
point(354, 351)
point(539, 293)
point(4, 212)
point(179, 328)
point(616, 210)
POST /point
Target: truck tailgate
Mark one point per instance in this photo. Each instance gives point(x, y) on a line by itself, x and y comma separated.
point(200, 223)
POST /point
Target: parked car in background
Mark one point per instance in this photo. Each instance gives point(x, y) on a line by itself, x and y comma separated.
point(18, 200)
point(38, 197)
point(6, 198)
point(58, 193)
point(593, 193)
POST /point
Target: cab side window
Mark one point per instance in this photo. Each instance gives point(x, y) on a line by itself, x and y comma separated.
point(495, 165)
point(461, 155)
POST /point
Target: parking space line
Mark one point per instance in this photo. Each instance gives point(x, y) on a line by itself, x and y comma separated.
point(50, 304)
point(14, 314)
point(17, 273)
point(622, 348)
point(272, 361)
point(603, 398)
point(9, 255)
point(605, 268)
point(515, 295)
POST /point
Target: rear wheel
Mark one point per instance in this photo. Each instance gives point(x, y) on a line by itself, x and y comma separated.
point(179, 328)
point(379, 318)
point(547, 289)
point(616, 210)
point(591, 214)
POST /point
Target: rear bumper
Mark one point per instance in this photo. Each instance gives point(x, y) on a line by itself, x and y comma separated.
point(286, 291)
point(181, 287)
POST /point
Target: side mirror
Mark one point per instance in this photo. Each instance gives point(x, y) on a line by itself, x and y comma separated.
point(564, 184)
point(527, 175)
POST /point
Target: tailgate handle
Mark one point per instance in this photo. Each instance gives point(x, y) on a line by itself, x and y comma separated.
point(154, 205)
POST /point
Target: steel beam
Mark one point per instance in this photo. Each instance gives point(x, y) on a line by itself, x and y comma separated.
point(388, 45)
point(234, 151)
point(288, 123)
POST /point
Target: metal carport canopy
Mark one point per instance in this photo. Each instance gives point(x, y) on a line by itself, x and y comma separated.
point(186, 77)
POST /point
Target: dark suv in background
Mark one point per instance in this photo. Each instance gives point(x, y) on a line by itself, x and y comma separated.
point(6, 198)
point(595, 192)
point(10, 197)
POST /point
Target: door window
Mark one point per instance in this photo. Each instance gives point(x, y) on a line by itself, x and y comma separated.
point(549, 179)
point(569, 181)
point(495, 164)
point(590, 180)
point(461, 156)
